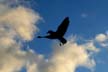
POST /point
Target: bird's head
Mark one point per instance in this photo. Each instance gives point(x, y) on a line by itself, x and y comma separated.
point(50, 31)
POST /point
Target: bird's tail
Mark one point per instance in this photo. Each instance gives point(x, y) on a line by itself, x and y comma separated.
point(39, 37)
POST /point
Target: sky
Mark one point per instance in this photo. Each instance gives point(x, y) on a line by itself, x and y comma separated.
point(21, 21)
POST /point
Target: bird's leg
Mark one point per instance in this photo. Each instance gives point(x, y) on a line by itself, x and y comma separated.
point(61, 44)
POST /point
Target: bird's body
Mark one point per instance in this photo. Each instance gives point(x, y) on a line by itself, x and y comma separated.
point(59, 33)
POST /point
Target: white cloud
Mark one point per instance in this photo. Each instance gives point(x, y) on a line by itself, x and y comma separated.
point(91, 46)
point(22, 22)
point(32, 68)
point(17, 24)
point(101, 37)
point(68, 57)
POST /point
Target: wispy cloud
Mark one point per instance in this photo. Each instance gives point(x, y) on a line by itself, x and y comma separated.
point(84, 15)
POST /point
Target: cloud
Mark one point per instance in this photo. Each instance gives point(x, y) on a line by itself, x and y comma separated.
point(102, 39)
point(90, 45)
point(17, 24)
point(68, 58)
point(84, 15)
point(21, 21)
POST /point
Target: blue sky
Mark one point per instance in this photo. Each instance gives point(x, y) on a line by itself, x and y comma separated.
point(87, 36)
point(53, 12)
point(88, 26)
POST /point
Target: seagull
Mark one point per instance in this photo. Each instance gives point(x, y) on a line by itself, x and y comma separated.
point(59, 33)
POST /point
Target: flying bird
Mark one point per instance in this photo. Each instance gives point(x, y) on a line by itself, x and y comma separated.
point(59, 33)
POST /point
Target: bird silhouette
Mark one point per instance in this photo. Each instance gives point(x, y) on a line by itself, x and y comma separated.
point(59, 33)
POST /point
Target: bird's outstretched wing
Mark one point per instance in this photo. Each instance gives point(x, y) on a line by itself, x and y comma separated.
point(63, 27)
